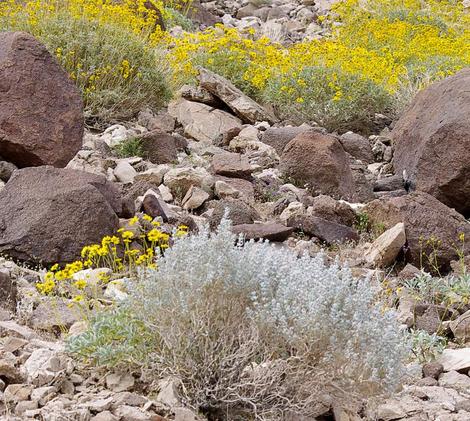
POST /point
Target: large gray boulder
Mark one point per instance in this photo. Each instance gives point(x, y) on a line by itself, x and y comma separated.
point(48, 214)
point(41, 110)
point(432, 142)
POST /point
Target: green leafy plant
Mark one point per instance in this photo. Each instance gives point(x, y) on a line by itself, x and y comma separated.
point(129, 148)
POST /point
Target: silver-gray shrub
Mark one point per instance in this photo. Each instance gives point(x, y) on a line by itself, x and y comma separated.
point(251, 327)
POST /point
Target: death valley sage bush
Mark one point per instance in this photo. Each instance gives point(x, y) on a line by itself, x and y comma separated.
point(249, 327)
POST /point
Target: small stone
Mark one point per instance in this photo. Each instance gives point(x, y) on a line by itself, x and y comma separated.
point(24, 406)
point(13, 344)
point(100, 405)
point(455, 359)
point(17, 392)
point(42, 395)
point(153, 207)
point(9, 372)
point(194, 198)
point(131, 413)
point(231, 164)
point(224, 190)
point(455, 380)
point(119, 382)
point(125, 172)
point(169, 392)
point(104, 416)
point(67, 387)
point(43, 366)
point(433, 370)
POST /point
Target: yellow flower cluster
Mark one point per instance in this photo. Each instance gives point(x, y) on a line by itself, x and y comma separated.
point(389, 42)
point(123, 253)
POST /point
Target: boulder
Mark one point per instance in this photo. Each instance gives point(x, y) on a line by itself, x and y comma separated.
point(268, 231)
point(231, 164)
point(279, 137)
point(242, 105)
point(194, 198)
point(238, 211)
point(432, 142)
point(426, 221)
point(41, 110)
point(357, 146)
point(48, 214)
point(332, 210)
point(202, 122)
point(159, 147)
point(326, 231)
point(319, 162)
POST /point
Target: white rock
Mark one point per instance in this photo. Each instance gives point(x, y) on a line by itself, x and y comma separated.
point(169, 392)
point(125, 172)
point(43, 366)
point(384, 250)
point(119, 382)
point(294, 208)
point(455, 380)
point(455, 359)
point(165, 193)
point(194, 198)
point(224, 190)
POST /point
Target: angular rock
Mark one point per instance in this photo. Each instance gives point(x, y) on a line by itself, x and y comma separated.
point(52, 315)
point(8, 291)
point(319, 162)
point(194, 198)
point(119, 382)
point(58, 213)
point(231, 164)
point(327, 231)
point(279, 137)
point(224, 190)
point(455, 380)
point(432, 142)
point(202, 122)
point(245, 187)
point(455, 359)
point(41, 110)
point(242, 105)
point(425, 218)
point(461, 327)
point(179, 180)
point(43, 366)
point(433, 370)
point(384, 250)
point(267, 231)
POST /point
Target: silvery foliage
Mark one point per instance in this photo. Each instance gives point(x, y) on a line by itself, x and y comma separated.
point(311, 305)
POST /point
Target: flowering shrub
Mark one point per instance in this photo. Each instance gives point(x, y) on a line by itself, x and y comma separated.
point(106, 47)
point(249, 327)
point(382, 53)
point(123, 254)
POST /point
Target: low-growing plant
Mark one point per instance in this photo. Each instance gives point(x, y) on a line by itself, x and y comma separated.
point(129, 148)
point(426, 347)
point(251, 328)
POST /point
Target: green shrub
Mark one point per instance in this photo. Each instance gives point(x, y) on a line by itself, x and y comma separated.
point(129, 148)
point(349, 103)
point(250, 328)
point(116, 70)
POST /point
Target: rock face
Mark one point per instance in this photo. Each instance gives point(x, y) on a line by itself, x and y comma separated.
point(202, 122)
point(242, 105)
point(425, 218)
point(41, 111)
point(319, 161)
point(58, 213)
point(432, 142)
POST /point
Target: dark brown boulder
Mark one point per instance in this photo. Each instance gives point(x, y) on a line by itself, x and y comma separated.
point(326, 231)
point(41, 110)
point(268, 231)
point(230, 164)
point(432, 142)
point(332, 210)
point(426, 221)
point(159, 147)
point(48, 214)
point(319, 162)
point(279, 137)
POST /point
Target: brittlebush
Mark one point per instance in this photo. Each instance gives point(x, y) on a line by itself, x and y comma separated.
point(380, 55)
